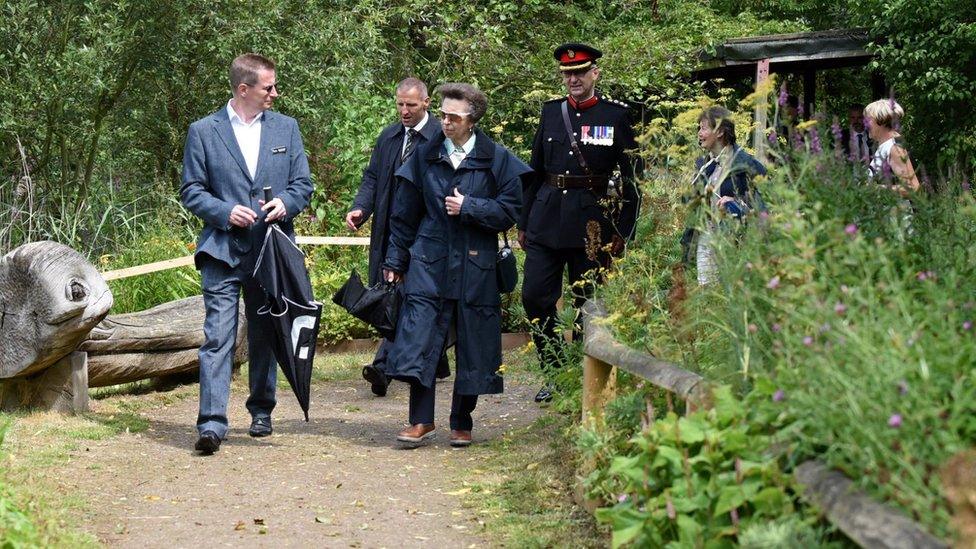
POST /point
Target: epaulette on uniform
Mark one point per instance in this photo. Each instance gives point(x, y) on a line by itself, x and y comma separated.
point(617, 103)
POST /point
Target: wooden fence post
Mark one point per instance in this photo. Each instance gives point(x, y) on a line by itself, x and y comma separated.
point(597, 387)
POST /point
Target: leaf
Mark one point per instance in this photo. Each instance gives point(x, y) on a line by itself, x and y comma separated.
point(689, 531)
point(692, 429)
point(729, 498)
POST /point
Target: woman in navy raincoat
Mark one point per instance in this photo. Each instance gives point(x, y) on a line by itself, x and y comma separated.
point(454, 196)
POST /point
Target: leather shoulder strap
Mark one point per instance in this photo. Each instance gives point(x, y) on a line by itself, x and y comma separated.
point(572, 138)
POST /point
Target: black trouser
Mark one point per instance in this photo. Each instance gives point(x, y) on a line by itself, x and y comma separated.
point(422, 407)
point(543, 286)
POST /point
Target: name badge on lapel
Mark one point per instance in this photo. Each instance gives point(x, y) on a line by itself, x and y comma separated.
point(597, 135)
point(279, 150)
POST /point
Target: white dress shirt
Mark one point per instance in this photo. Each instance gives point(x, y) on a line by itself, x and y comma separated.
point(406, 133)
point(248, 137)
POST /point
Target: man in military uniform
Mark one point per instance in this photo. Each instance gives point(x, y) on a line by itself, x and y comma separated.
point(581, 205)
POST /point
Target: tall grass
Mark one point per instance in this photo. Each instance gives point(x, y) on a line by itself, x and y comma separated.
point(848, 306)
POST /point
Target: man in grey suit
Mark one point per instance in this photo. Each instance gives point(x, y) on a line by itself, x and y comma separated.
point(230, 156)
point(393, 146)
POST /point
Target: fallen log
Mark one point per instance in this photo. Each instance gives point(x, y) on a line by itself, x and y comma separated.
point(157, 342)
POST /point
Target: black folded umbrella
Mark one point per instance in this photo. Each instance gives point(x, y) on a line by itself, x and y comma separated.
point(294, 313)
point(378, 306)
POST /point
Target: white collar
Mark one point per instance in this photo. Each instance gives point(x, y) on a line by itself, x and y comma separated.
point(420, 125)
point(468, 146)
point(232, 115)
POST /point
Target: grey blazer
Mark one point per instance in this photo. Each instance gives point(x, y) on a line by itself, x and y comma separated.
point(215, 179)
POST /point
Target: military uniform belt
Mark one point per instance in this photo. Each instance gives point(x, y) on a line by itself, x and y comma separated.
point(560, 181)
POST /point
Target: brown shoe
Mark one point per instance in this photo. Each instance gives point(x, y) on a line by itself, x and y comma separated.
point(460, 438)
point(416, 433)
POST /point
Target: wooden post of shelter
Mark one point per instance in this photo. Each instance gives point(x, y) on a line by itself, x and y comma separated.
point(759, 135)
point(809, 93)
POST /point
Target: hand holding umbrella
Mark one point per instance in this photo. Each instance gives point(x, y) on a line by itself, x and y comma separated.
point(274, 207)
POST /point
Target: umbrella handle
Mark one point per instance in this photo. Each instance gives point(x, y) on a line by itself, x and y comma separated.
point(267, 195)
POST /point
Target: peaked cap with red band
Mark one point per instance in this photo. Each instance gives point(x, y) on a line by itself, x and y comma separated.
point(574, 56)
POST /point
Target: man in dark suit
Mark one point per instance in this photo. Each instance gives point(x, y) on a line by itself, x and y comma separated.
point(856, 142)
point(230, 156)
point(394, 145)
point(583, 201)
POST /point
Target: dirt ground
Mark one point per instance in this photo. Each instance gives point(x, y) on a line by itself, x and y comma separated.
point(340, 480)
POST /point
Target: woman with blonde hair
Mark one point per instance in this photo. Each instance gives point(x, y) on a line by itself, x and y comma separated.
point(891, 158)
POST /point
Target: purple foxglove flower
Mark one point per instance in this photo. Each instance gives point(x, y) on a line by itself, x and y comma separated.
point(783, 96)
point(815, 146)
point(772, 137)
point(797, 141)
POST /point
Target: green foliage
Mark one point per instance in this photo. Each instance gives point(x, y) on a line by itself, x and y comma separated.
point(695, 480)
point(851, 305)
point(927, 52)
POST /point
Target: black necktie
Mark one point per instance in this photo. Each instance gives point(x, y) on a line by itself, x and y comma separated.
point(411, 143)
point(861, 149)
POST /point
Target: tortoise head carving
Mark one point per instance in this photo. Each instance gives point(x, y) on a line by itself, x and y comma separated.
point(50, 298)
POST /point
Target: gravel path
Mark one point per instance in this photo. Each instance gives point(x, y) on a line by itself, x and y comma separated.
point(340, 480)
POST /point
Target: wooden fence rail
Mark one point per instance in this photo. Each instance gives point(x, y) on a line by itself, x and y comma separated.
point(188, 259)
point(863, 520)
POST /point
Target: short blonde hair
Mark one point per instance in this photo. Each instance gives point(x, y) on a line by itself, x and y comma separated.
point(884, 112)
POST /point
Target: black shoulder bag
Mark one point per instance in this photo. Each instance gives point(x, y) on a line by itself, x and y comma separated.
point(506, 269)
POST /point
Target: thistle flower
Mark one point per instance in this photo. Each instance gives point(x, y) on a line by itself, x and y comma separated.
point(850, 229)
point(779, 395)
point(773, 283)
point(840, 308)
point(776, 327)
point(753, 328)
point(894, 421)
point(967, 325)
point(621, 498)
point(808, 340)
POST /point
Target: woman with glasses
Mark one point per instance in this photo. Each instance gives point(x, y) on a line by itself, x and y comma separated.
point(454, 196)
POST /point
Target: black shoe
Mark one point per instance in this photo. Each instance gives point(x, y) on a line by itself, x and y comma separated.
point(545, 393)
point(260, 427)
point(377, 379)
point(208, 443)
